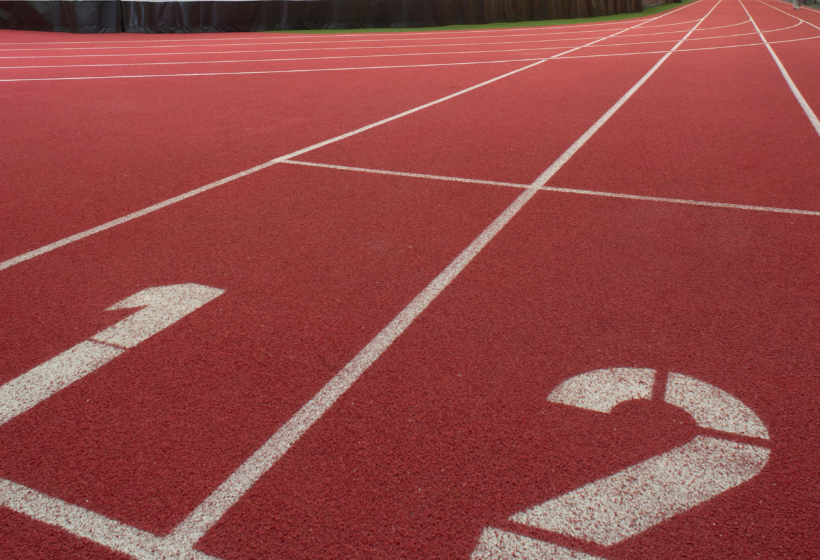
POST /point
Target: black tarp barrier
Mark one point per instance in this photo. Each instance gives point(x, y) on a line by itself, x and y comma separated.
point(76, 17)
point(267, 15)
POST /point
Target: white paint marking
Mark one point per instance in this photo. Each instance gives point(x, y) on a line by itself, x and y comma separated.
point(26, 391)
point(163, 307)
point(89, 525)
point(496, 544)
point(601, 390)
point(637, 498)
point(407, 174)
point(229, 492)
point(799, 96)
point(712, 407)
point(577, 39)
point(708, 204)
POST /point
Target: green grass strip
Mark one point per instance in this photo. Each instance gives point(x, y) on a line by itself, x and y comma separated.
point(501, 25)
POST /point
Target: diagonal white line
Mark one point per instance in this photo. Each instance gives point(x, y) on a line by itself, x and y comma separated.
point(799, 96)
point(229, 492)
point(406, 174)
point(585, 192)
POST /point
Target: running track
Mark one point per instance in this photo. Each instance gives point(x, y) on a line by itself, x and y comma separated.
point(368, 269)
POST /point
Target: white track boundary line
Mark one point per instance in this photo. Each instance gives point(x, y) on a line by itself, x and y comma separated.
point(382, 47)
point(153, 208)
point(324, 49)
point(799, 96)
point(547, 188)
point(89, 525)
point(187, 533)
point(359, 56)
point(406, 174)
point(399, 66)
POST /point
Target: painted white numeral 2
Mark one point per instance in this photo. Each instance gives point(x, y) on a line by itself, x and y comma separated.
point(162, 306)
point(639, 497)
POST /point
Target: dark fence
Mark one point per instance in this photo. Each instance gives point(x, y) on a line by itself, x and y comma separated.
point(106, 16)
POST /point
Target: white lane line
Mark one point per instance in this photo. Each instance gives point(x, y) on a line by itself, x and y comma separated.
point(346, 57)
point(807, 22)
point(161, 307)
point(725, 205)
point(606, 194)
point(799, 96)
point(113, 223)
point(406, 174)
point(229, 492)
point(89, 525)
point(324, 49)
point(399, 66)
point(723, 26)
point(342, 57)
point(631, 501)
point(292, 59)
point(387, 47)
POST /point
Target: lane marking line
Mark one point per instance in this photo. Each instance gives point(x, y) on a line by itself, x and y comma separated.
point(160, 308)
point(394, 66)
point(405, 174)
point(187, 533)
point(153, 208)
point(353, 57)
point(690, 202)
point(796, 92)
point(89, 525)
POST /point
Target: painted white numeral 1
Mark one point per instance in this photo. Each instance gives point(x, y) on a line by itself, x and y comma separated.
point(162, 306)
point(639, 497)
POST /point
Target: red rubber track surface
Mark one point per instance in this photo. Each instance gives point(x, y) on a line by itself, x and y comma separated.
point(449, 431)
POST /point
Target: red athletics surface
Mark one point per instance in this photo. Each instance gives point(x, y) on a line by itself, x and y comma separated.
point(314, 263)
point(88, 152)
point(449, 431)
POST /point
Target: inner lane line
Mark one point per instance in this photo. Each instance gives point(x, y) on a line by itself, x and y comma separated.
point(347, 57)
point(396, 66)
point(607, 194)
